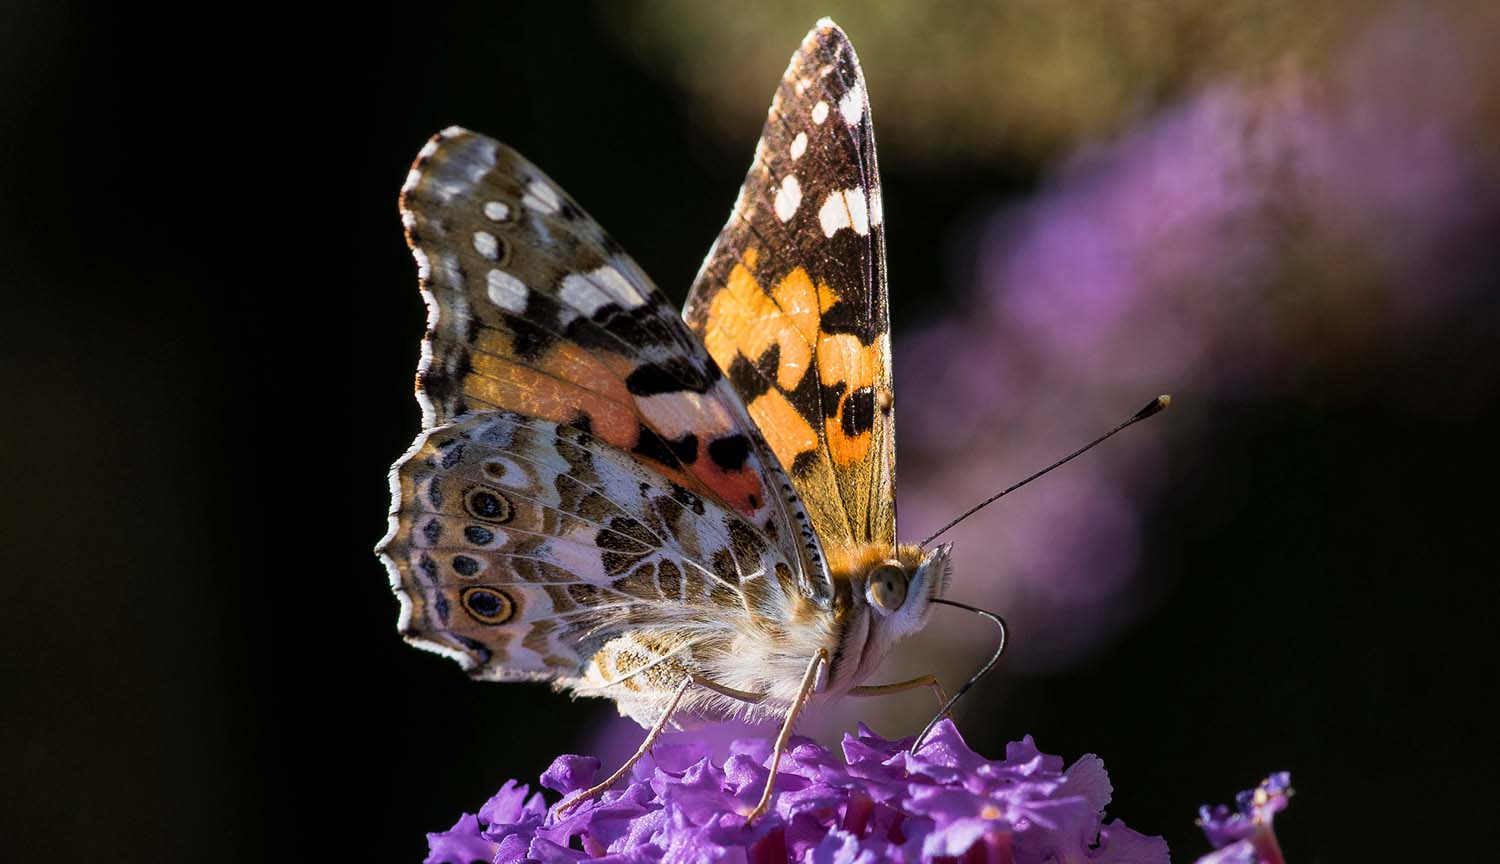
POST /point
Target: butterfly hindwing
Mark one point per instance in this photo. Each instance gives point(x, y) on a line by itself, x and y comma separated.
point(521, 547)
point(791, 301)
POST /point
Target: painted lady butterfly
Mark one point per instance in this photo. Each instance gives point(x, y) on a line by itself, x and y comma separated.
point(688, 514)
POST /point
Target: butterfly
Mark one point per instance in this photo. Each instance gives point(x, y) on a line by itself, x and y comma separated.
point(691, 515)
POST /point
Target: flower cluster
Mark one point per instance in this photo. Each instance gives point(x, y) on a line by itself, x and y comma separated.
point(877, 803)
point(1243, 834)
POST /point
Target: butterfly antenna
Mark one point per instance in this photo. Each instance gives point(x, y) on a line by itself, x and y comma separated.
point(973, 679)
point(1156, 406)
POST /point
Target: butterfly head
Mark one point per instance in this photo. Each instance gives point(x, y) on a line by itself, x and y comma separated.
point(900, 590)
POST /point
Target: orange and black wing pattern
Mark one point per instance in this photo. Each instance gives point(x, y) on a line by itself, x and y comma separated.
point(792, 304)
point(534, 309)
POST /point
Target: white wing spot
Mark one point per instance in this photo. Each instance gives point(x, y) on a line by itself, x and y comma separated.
point(788, 197)
point(486, 244)
point(413, 177)
point(497, 211)
point(877, 211)
point(845, 208)
point(507, 292)
point(801, 86)
point(820, 112)
point(541, 197)
point(852, 104)
point(833, 215)
point(577, 291)
point(682, 412)
point(799, 146)
point(859, 211)
point(615, 283)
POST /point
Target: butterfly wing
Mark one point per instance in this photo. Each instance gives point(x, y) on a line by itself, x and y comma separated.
point(535, 314)
point(791, 301)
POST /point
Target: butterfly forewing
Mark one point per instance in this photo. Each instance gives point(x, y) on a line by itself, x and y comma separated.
point(791, 301)
point(533, 308)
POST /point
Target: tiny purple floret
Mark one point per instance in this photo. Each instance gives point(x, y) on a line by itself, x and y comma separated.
point(1243, 834)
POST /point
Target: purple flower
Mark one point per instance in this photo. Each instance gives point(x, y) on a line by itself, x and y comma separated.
point(1243, 834)
point(877, 803)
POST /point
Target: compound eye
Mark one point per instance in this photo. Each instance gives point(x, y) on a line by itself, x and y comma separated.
point(886, 587)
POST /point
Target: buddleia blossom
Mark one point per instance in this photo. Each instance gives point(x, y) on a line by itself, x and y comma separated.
point(874, 802)
point(1243, 834)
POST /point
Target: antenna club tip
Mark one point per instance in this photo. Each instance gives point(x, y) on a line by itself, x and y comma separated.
point(1153, 407)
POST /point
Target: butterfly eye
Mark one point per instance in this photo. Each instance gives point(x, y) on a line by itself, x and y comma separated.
point(886, 587)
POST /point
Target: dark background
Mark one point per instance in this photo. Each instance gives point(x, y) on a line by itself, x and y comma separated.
point(211, 325)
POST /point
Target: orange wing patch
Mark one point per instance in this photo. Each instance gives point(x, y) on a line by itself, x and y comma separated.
point(566, 384)
point(811, 393)
point(748, 322)
point(563, 383)
point(848, 423)
point(783, 426)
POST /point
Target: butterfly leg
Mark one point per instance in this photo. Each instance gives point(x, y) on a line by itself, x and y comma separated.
point(809, 679)
point(656, 730)
point(741, 695)
point(900, 686)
